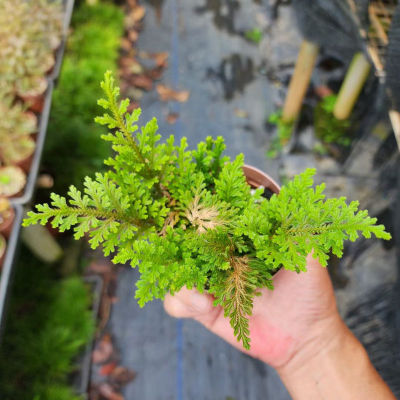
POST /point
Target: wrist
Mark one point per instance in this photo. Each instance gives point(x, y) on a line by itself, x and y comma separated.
point(323, 339)
point(334, 367)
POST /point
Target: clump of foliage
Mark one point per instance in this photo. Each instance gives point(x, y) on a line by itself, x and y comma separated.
point(30, 31)
point(73, 147)
point(15, 130)
point(188, 217)
point(328, 128)
point(254, 35)
point(284, 133)
point(49, 324)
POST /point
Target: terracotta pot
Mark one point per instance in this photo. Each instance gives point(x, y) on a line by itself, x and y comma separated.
point(3, 247)
point(35, 97)
point(35, 103)
point(256, 178)
point(6, 222)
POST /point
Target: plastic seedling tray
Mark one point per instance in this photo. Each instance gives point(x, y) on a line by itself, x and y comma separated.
point(7, 269)
point(33, 172)
point(44, 117)
point(82, 377)
point(68, 8)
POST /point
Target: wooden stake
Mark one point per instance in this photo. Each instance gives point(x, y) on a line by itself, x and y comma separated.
point(41, 243)
point(351, 87)
point(300, 80)
point(395, 120)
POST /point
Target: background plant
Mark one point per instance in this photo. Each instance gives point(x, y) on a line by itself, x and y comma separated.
point(73, 147)
point(327, 127)
point(15, 130)
point(30, 31)
point(188, 218)
point(50, 320)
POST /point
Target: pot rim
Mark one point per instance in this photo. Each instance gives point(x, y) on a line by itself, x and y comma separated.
point(256, 177)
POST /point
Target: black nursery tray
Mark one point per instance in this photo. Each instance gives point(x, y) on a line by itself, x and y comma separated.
point(81, 377)
point(7, 269)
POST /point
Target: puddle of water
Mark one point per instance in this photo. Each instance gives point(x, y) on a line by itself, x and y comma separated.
point(224, 13)
point(234, 72)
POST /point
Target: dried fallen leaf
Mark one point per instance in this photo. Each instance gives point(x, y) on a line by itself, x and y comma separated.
point(133, 35)
point(155, 73)
point(103, 350)
point(100, 268)
point(133, 105)
point(107, 391)
point(126, 44)
point(141, 81)
point(161, 59)
point(166, 94)
point(172, 117)
point(107, 369)
point(138, 13)
point(122, 375)
point(94, 392)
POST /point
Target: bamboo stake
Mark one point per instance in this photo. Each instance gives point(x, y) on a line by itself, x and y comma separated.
point(351, 87)
point(300, 81)
point(395, 120)
point(41, 243)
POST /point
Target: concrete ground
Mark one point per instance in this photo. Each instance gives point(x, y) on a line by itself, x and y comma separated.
point(234, 85)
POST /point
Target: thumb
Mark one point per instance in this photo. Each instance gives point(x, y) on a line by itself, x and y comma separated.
point(188, 304)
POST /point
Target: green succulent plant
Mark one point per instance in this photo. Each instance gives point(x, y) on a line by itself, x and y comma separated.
point(15, 131)
point(29, 33)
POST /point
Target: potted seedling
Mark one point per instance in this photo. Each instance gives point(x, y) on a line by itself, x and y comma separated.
point(12, 181)
point(16, 142)
point(3, 247)
point(285, 119)
point(332, 115)
point(27, 46)
point(7, 215)
point(31, 89)
point(189, 217)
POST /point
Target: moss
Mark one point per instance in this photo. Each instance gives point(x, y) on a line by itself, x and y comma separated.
point(328, 128)
point(73, 147)
point(49, 322)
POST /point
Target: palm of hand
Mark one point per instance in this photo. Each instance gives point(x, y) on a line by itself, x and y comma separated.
point(284, 320)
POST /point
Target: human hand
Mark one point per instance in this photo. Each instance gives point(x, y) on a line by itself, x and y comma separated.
point(288, 325)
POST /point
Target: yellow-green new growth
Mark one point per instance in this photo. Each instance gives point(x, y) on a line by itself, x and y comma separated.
point(188, 217)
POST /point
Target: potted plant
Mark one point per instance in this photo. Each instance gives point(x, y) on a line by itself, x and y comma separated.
point(7, 215)
point(189, 218)
point(3, 247)
point(285, 119)
point(332, 114)
point(27, 46)
point(16, 142)
point(12, 181)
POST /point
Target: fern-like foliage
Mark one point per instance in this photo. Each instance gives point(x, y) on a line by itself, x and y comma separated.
point(188, 218)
